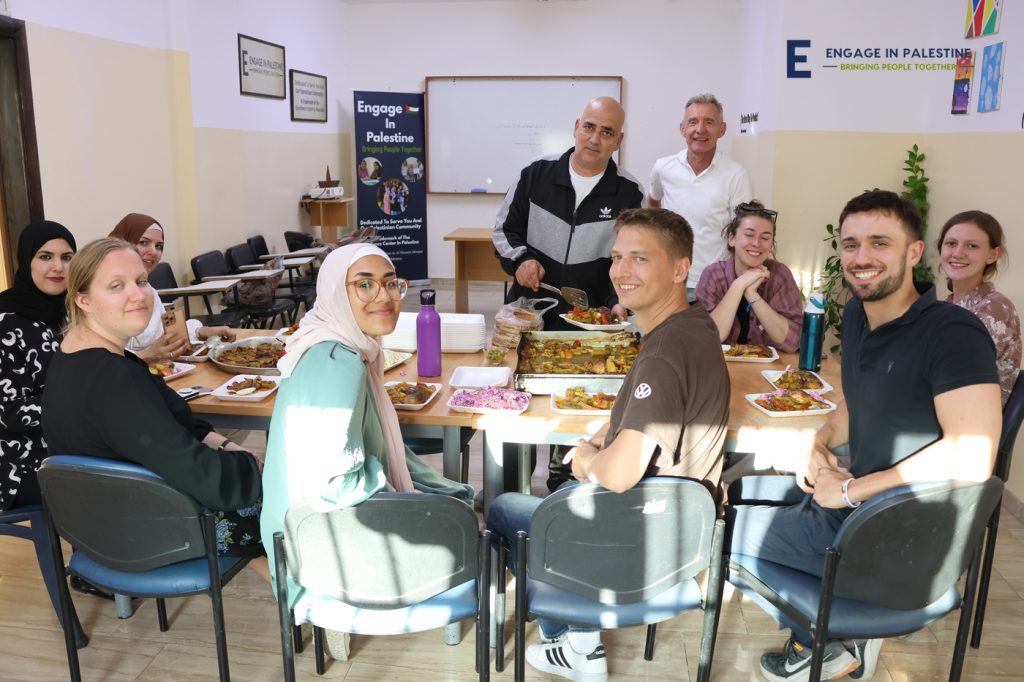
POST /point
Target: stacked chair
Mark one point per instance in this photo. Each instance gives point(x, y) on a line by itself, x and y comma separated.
point(213, 263)
point(242, 254)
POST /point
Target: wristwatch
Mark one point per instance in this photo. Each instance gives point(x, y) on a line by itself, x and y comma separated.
point(846, 494)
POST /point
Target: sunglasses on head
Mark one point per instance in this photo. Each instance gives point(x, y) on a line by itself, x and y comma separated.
point(753, 209)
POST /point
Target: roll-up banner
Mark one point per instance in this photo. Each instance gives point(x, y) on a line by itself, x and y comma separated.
point(391, 190)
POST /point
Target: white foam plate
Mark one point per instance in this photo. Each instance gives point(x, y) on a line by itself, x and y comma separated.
point(480, 377)
point(621, 326)
point(180, 368)
point(773, 358)
point(751, 397)
point(772, 374)
point(205, 357)
point(419, 406)
point(480, 410)
point(394, 358)
point(559, 410)
point(221, 392)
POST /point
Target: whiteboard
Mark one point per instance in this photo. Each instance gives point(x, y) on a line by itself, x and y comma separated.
point(483, 130)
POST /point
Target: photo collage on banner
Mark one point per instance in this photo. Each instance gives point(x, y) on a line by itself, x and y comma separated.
point(391, 192)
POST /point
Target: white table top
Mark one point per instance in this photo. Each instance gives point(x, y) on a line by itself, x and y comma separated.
point(290, 263)
point(205, 287)
point(311, 251)
point(257, 274)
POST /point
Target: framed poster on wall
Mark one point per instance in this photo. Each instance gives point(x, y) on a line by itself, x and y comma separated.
point(308, 95)
point(260, 68)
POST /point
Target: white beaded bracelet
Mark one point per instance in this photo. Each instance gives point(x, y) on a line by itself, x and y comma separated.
point(846, 494)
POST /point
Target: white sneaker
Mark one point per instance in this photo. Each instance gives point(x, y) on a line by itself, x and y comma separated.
point(559, 658)
point(866, 652)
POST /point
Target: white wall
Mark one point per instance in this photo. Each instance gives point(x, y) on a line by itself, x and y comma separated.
point(667, 50)
point(152, 23)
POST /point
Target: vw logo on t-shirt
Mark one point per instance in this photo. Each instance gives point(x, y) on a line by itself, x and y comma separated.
point(642, 391)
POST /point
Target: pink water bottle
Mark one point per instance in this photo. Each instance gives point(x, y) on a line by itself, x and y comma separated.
point(428, 337)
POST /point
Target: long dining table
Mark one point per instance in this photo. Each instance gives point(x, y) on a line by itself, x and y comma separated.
point(773, 440)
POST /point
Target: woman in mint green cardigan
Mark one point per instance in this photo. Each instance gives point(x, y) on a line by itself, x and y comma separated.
point(334, 436)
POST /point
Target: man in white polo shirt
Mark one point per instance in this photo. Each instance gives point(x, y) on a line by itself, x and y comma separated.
point(701, 183)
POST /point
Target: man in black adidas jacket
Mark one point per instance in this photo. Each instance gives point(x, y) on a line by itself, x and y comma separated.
point(555, 225)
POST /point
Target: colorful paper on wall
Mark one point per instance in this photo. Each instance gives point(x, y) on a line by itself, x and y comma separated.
point(990, 81)
point(962, 83)
point(983, 17)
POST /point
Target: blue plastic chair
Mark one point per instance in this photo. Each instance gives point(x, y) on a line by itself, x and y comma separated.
point(10, 524)
point(892, 569)
point(397, 563)
point(598, 559)
point(133, 534)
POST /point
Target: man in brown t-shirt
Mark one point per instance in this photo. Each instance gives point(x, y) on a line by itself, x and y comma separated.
point(670, 416)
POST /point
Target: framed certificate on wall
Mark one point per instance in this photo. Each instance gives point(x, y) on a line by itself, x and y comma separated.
point(260, 68)
point(309, 96)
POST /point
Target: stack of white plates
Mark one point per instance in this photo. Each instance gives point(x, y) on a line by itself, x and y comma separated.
point(459, 333)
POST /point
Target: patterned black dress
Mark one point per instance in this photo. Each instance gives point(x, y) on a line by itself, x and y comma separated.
point(26, 348)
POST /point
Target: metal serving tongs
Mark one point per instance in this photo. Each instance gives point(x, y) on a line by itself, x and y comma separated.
point(574, 297)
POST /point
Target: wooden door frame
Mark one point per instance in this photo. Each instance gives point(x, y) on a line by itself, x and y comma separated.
point(15, 30)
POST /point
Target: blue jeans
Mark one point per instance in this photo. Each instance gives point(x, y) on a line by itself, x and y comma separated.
point(510, 513)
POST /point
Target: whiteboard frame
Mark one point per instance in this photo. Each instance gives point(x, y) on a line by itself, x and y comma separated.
point(426, 118)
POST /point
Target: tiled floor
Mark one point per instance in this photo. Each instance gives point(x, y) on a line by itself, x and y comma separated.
point(32, 647)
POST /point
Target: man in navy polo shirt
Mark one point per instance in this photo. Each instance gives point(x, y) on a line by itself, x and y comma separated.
point(922, 404)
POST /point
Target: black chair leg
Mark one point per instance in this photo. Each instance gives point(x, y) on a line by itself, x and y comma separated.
point(161, 614)
point(465, 464)
point(67, 608)
point(499, 609)
point(520, 666)
point(652, 630)
point(484, 610)
point(318, 649)
point(966, 608)
point(284, 614)
point(712, 603)
point(985, 578)
point(297, 638)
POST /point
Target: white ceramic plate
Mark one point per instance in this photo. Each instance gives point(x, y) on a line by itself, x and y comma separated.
point(772, 374)
point(773, 358)
point(480, 377)
point(393, 358)
point(559, 410)
point(751, 397)
point(180, 368)
point(621, 326)
point(480, 410)
point(418, 406)
point(221, 392)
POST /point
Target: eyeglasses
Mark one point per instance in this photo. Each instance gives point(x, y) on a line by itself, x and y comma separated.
point(589, 128)
point(754, 209)
point(367, 289)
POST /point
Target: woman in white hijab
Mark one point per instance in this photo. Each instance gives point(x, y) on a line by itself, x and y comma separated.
point(334, 437)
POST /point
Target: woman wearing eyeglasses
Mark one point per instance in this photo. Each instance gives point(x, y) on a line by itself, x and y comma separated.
point(751, 297)
point(334, 436)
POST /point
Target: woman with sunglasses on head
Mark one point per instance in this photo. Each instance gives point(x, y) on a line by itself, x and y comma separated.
point(751, 297)
point(334, 436)
point(970, 247)
point(154, 344)
point(31, 323)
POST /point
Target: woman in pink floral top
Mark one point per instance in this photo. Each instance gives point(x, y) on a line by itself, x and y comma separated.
point(751, 297)
point(970, 245)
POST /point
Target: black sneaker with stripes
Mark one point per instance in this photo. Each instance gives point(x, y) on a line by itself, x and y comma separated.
point(559, 658)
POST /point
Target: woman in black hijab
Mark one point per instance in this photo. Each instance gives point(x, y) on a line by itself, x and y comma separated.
point(32, 317)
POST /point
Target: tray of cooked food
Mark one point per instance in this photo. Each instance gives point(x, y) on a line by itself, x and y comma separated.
point(577, 400)
point(749, 352)
point(489, 401)
point(595, 319)
point(796, 379)
point(407, 395)
point(246, 388)
point(790, 403)
point(255, 355)
point(552, 362)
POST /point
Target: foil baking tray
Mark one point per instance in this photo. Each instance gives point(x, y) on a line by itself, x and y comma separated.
point(547, 384)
